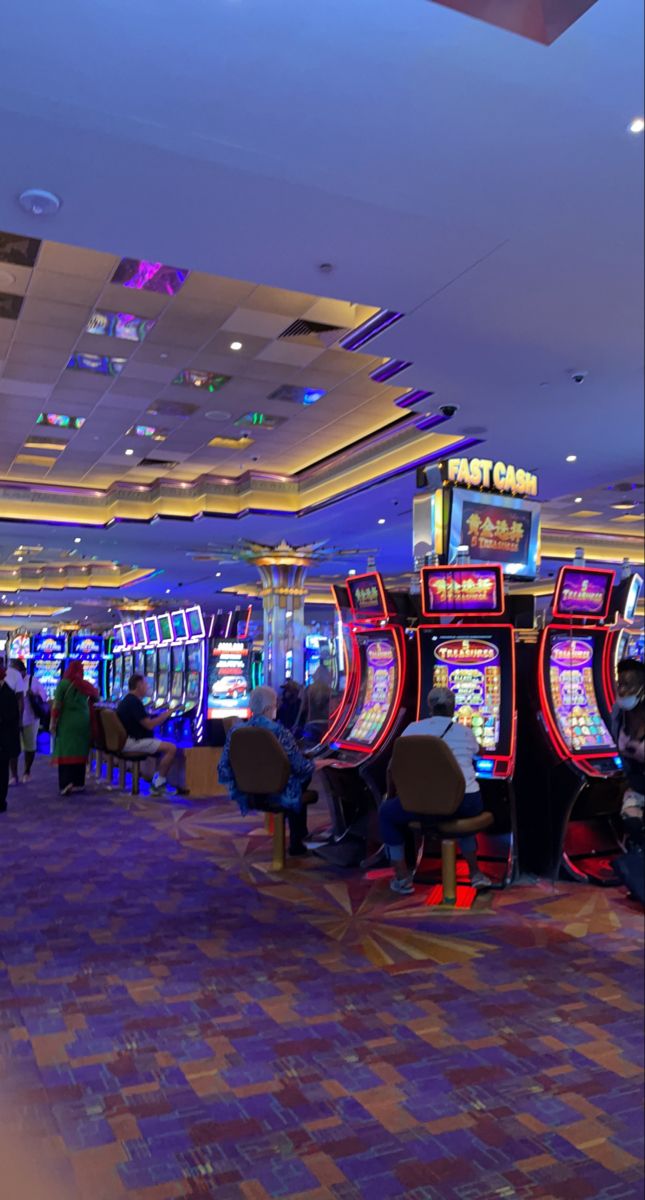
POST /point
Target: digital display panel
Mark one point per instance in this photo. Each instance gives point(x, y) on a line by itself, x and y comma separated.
point(19, 647)
point(165, 628)
point(573, 694)
point(633, 596)
point(177, 678)
point(119, 638)
point(117, 679)
point(128, 667)
point(91, 672)
point(139, 662)
point(462, 590)
point(152, 631)
point(470, 667)
point(48, 672)
point(195, 622)
point(379, 680)
point(193, 672)
point(367, 596)
point(87, 646)
point(179, 625)
point(495, 529)
point(631, 644)
point(583, 593)
point(128, 635)
point(163, 675)
point(50, 645)
point(139, 633)
point(228, 680)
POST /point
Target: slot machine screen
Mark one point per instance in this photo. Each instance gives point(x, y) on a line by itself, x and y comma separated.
point(195, 622)
point(151, 673)
point(573, 694)
point(139, 633)
point(581, 592)
point(471, 669)
point(117, 678)
point(128, 668)
point(48, 672)
point(19, 647)
point(91, 672)
point(119, 639)
point(139, 662)
point(128, 635)
point(380, 678)
point(631, 644)
point(179, 625)
point(163, 674)
point(165, 628)
point(193, 668)
point(152, 631)
point(177, 681)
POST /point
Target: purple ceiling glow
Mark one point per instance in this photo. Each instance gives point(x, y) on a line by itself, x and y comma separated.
point(392, 367)
point(150, 276)
point(370, 329)
point(413, 398)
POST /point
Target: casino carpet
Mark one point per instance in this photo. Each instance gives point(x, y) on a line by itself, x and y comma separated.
point(177, 1022)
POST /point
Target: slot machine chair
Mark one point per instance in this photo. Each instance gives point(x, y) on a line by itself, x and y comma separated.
point(261, 770)
point(114, 737)
point(428, 781)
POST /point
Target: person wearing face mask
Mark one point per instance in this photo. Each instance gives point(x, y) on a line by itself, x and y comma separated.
point(628, 727)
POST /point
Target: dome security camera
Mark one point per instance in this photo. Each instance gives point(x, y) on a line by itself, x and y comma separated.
point(448, 410)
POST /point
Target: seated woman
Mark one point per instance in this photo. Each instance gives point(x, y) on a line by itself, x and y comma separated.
point(394, 819)
point(263, 703)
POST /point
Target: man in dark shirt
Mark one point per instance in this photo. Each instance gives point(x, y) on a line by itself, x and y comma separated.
point(139, 727)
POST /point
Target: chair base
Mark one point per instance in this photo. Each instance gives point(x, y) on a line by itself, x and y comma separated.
point(464, 898)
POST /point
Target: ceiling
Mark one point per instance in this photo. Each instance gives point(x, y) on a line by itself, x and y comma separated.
point(483, 185)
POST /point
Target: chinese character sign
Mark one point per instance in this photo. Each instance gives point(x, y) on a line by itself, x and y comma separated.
point(496, 535)
point(461, 590)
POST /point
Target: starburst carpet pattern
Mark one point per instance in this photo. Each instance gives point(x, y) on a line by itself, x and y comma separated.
point(178, 1022)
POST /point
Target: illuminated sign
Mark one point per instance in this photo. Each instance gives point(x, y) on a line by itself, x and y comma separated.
point(466, 652)
point(367, 596)
point(492, 476)
point(570, 652)
point(583, 593)
point(228, 680)
point(49, 645)
point(495, 529)
point(85, 645)
point(462, 590)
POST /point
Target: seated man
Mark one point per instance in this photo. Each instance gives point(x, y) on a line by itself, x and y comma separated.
point(394, 819)
point(139, 727)
point(263, 703)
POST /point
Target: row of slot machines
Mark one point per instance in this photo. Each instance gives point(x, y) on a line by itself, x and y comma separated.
point(538, 702)
point(169, 651)
point(46, 655)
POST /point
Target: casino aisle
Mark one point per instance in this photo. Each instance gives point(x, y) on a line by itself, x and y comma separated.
point(179, 1022)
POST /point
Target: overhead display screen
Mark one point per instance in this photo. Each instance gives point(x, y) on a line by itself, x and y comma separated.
point(367, 596)
point(165, 628)
point(228, 680)
point(50, 645)
point(195, 622)
point(495, 529)
point(86, 645)
point(583, 593)
point(152, 631)
point(139, 633)
point(179, 625)
point(379, 683)
point(462, 590)
point(128, 635)
point(573, 694)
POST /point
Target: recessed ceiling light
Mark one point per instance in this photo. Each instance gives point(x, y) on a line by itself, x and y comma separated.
point(218, 574)
point(167, 591)
point(381, 521)
point(572, 457)
point(352, 572)
point(236, 345)
point(637, 125)
point(20, 558)
point(578, 500)
point(624, 505)
point(77, 540)
point(129, 452)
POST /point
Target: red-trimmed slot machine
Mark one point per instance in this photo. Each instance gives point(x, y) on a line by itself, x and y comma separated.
point(379, 701)
point(464, 644)
point(583, 784)
point(627, 640)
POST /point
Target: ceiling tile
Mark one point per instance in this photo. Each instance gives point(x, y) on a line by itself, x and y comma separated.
point(17, 285)
point(72, 289)
point(72, 260)
point(262, 324)
point(289, 304)
point(290, 354)
point(117, 298)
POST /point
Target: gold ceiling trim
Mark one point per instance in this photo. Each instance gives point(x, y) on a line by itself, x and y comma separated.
point(213, 496)
point(37, 577)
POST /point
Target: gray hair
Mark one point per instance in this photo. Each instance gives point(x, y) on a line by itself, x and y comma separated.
point(441, 701)
point(261, 700)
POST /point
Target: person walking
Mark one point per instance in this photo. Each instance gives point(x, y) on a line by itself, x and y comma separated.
point(9, 734)
point(15, 679)
point(35, 708)
point(71, 727)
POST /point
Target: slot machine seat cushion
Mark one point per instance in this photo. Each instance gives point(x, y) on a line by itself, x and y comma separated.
point(261, 769)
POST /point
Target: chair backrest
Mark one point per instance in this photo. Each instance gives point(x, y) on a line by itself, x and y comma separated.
point(426, 776)
point(98, 733)
point(114, 734)
point(258, 762)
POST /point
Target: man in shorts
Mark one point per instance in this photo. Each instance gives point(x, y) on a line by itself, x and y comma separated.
point(140, 726)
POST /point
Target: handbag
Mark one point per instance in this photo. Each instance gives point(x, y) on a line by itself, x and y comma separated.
point(38, 706)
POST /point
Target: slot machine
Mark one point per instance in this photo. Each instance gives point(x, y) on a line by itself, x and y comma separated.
point(19, 646)
point(474, 656)
point(195, 669)
point(128, 654)
point(628, 639)
point(48, 654)
point(89, 649)
point(116, 666)
point(178, 660)
point(151, 627)
point(378, 703)
point(578, 780)
point(139, 647)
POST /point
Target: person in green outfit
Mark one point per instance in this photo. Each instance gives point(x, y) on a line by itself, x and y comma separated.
point(71, 726)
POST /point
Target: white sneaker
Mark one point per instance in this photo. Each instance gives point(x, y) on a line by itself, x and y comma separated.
point(479, 880)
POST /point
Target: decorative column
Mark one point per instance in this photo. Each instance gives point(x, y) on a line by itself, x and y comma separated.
point(282, 569)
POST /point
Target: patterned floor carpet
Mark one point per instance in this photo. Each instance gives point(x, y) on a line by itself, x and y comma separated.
point(177, 1022)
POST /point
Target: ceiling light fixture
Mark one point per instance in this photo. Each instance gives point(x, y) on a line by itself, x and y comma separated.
point(637, 125)
point(352, 571)
point(381, 521)
point(167, 591)
point(77, 540)
point(578, 500)
point(129, 452)
point(39, 202)
point(218, 574)
point(236, 346)
point(572, 457)
point(622, 506)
